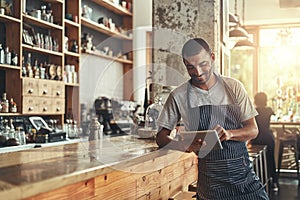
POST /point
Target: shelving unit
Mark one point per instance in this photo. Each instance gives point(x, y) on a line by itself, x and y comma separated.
point(53, 98)
point(117, 31)
point(66, 28)
point(72, 31)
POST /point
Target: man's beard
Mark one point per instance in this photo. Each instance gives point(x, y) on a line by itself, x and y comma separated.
point(206, 76)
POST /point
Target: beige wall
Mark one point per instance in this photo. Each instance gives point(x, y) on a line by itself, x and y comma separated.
point(266, 12)
point(175, 22)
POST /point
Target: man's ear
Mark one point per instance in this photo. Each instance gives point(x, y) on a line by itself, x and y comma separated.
point(213, 56)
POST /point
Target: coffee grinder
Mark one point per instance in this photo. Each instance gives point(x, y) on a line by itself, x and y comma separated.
point(103, 110)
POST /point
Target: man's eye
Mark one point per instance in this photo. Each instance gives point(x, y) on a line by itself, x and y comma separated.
point(203, 64)
point(190, 67)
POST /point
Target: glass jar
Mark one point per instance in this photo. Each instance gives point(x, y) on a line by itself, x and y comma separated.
point(152, 113)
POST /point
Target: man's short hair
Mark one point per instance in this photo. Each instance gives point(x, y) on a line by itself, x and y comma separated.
point(194, 46)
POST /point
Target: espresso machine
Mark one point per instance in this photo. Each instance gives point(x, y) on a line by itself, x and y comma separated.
point(103, 110)
point(115, 116)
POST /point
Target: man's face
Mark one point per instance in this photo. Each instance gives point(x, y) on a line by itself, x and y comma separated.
point(199, 67)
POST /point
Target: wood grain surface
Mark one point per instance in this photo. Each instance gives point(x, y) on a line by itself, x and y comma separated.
point(114, 168)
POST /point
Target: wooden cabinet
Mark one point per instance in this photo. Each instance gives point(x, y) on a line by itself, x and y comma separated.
point(43, 97)
point(22, 29)
point(28, 31)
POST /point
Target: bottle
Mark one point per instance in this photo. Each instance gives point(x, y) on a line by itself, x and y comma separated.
point(6, 129)
point(20, 136)
point(12, 106)
point(2, 55)
point(17, 135)
point(7, 56)
point(94, 129)
point(44, 14)
point(36, 69)
point(14, 58)
point(12, 130)
point(28, 66)
point(4, 103)
point(24, 73)
point(74, 47)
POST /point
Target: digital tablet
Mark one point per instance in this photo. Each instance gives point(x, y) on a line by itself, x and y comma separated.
point(210, 137)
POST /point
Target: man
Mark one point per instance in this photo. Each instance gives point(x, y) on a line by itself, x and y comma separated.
point(211, 101)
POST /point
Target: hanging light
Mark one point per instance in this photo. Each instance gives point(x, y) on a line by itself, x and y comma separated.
point(233, 20)
point(243, 44)
point(238, 33)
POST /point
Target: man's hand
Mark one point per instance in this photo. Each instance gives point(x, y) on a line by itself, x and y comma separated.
point(194, 146)
point(222, 133)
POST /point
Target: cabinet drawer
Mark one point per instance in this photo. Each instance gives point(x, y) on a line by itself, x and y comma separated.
point(30, 87)
point(58, 89)
point(58, 106)
point(44, 105)
point(45, 88)
point(30, 105)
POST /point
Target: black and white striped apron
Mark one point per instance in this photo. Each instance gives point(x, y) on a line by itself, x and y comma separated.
point(226, 173)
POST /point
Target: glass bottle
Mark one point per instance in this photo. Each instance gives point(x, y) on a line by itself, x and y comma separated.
point(2, 55)
point(4, 103)
point(12, 106)
point(17, 135)
point(44, 14)
point(11, 133)
point(14, 58)
point(36, 69)
point(24, 73)
point(5, 132)
point(28, 66)
point(7, 56)
point(74, 47)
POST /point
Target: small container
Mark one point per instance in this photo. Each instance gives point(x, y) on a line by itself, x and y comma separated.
point(2, 11)
point(95, 132)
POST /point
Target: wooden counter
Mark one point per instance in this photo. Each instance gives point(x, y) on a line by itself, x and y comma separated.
point(114, 168)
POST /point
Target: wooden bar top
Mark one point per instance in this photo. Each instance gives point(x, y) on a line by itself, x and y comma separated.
point(297, 123)
point(33, 171)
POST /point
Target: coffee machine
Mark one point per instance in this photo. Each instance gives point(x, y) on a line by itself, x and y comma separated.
point(115, 116)
point(103, 110)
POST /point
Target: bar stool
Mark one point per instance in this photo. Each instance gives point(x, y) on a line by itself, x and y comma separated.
point(258, 155)
point(289, 141)
point(193, 187)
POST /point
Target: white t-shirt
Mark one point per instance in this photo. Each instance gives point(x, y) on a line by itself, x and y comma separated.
point(176, 106)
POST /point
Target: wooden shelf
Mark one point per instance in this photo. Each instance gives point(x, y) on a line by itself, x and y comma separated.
point(72, 84)
point(69, 53)
point(40, 50)
point(101, 28)
point(71, 23)
point(8, 19)
point(108, 57)
point(118, 9)
point(42, 79)
point(26, 114)
point(10, 114)
point(34, 21)
point(54, 1)
point(9, 66)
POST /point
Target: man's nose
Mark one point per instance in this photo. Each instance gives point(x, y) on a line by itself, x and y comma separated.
point(198, 71)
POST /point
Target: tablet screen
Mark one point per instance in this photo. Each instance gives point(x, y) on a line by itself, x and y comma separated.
point(210, 137)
